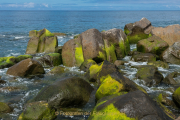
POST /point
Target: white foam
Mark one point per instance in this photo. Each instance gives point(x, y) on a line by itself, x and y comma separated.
point(20, 37)
point(132, 63)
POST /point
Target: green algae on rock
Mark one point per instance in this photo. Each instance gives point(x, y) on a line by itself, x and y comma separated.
point(87, 64)
point(176, 96)
point(143, 57)
point(153, 45)
point(50, 60)
point(41, 41)
point(37, 111)
point(134, 105)
point(4, 108)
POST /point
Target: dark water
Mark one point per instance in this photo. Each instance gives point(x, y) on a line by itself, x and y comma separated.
point(14, 29)
point(15, 25)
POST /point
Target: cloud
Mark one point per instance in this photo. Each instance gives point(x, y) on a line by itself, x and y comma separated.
point(45, 5)
point(25, 5)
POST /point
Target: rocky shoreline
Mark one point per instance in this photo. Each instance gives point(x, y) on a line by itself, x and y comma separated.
point(101, 56)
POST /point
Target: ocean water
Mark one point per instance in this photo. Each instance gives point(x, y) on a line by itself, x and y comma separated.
point(14, 30)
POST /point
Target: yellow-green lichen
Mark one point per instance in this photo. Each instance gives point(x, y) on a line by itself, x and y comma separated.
point(95, 69)
point(110, 53)
point(109, 112)
point(135, 38)
point(109, 86)
point(126, 31)
point(79, 55)
point(56, 58)
point(102, 56)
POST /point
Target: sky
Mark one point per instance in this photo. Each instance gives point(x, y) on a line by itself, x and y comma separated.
point(89, 4)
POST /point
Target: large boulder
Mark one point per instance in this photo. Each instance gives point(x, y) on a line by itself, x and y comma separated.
point(169, 79)
point(25, 68)
point(115, 83)
point(10, 61)
point(143, 57)
point(72, 53)
point(67, 92)
point(116, 44)
point(95, 72)
point(41, 41)
point(37, 111)
point(87, 64)
point(153, 45)
point(93, 45)
point(131, 106)
point(172, 54)
point(138, 30)
point(149, 74)
point(176, 96)
point(170, 34)
point(50, 60)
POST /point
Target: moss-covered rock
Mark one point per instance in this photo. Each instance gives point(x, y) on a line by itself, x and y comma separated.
point(25, 68)
point(93, 45)
point(161, 101)
point(4, 108)
point(116, 44)
point(95, 72)
point(50, 60)
point(41, 41)
point(66, 92)
point(72, 53)
point(37, 111)
point(172, 54)
point(59, 49)
point(138, 30)
point(159, 64)
point(149, 74)
point(76, 36)
point(87, 64)
point(153, 45)
point(115, 83)
point(176, 96)
point(22, 57)
point(169, 79)
point(7, 62)
point(131, 106)
point(143, 57)
point(58, 70)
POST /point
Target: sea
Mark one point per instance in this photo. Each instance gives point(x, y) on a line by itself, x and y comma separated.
point(14, 36)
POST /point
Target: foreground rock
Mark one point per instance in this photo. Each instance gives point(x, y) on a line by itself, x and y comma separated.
point(138, 30)
point(153, 45)
point(176, 96)
point(10, 61)
point(87, 64)
point(66, 93)
point(41, 41)
point(170, 34)
point(50, 60)
point(58, 70)
point(169, 78)
point(4, 108)
point(172, 54)
point(149, 74)
point(37, 111)
point(143, 57)
point(116, 44)
point(116, 84)
point(25, 68)
point(131, 106)
point(95, 72)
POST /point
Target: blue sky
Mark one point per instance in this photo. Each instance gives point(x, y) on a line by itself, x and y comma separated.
point(89, 4)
